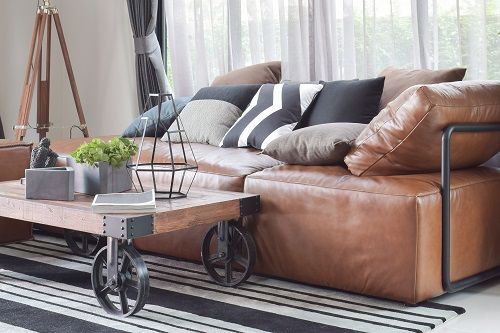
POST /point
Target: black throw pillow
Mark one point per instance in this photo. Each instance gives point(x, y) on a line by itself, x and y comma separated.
point(238, 94)
point(353, 101)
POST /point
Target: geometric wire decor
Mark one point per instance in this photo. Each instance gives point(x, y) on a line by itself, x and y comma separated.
point(172, 176)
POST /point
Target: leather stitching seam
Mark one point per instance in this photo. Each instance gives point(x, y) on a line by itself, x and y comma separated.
point(344, 189)
point(385, 122)
point(423, 194)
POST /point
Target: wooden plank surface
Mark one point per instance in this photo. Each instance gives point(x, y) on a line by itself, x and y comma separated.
point(200, 207)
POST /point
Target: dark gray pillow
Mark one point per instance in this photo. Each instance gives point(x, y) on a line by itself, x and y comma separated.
point(167, 117)
point(212, 112)
point(325, 144)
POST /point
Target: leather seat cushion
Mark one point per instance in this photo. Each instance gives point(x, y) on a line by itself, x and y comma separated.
point(218, 168)
point(374, 235)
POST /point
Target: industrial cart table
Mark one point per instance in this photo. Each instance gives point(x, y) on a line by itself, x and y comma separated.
point(120, 278)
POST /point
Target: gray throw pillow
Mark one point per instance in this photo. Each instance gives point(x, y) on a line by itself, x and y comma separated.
point(212, 112)
point(167, 117)
point(325, 144)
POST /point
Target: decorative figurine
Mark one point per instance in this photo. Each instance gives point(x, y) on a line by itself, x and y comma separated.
point(42, 156)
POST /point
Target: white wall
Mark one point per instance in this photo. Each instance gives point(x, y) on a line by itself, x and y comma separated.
point(100, 45)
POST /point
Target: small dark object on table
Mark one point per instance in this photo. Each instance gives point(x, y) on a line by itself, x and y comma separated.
point(42, 156)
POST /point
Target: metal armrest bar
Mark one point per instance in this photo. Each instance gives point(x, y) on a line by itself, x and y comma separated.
point(448, 285)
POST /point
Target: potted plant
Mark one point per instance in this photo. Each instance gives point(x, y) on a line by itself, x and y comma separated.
point(100, 167)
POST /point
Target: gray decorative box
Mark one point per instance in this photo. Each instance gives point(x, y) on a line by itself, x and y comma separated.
point(50, 183)
point(101, 179)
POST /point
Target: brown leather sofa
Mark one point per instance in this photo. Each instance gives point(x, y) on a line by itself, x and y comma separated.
point(378, 235)
point(14, 159)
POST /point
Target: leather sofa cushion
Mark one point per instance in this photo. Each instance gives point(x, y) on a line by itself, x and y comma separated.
point(268, 72)
point(405, 137)
point(339, 178)
point(14, 159)
point(398, 80)
point(373, 235)
point(231, 164)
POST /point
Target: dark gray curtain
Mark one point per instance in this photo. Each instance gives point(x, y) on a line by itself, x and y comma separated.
point(2, 135)
point(150, 70)
point(161, 30)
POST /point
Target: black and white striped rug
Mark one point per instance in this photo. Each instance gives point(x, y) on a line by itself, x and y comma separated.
point(45, 288)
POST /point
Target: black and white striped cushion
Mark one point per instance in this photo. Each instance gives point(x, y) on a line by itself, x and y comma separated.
point(273, 111)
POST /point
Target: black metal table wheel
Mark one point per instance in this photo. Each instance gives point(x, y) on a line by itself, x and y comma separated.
point(82, 243)
point(120, 279)
point(228, 253)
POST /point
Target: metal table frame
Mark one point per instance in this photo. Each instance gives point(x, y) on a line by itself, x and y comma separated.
point(120, 231)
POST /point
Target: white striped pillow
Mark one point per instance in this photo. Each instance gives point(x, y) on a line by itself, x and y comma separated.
point(273, 112)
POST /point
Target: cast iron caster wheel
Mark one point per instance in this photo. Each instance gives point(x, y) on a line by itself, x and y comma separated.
point(128, 294)
point(82, 243)
point(230, 262)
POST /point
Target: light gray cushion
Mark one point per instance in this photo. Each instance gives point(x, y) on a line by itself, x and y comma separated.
point(212, 112)
point(206, 121)
point(325, 144)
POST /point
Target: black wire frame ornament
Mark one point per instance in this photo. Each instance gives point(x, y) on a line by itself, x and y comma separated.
point(180, 167)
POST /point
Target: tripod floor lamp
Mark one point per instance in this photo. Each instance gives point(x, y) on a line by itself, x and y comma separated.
point(43, 23)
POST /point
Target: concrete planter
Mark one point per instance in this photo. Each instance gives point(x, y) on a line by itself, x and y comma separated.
point(50, 184)
point(101, 179)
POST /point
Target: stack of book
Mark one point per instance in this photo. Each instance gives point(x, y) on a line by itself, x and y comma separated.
point(125, 203)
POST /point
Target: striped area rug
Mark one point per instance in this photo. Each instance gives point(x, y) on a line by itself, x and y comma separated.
point(46, 288)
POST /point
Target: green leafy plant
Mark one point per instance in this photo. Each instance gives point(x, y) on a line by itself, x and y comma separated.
point(114, 152)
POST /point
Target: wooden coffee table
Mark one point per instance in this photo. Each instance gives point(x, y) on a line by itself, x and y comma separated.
point(120, 277)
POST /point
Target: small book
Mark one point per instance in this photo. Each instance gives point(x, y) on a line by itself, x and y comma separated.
point(125, 203)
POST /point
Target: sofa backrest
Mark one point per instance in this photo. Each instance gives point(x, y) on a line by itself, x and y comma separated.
point(14, 159)
point(405, 137)
point(398, 80)
point(268, 72)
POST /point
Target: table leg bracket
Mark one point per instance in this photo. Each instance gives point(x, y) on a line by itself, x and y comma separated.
point(127, 227)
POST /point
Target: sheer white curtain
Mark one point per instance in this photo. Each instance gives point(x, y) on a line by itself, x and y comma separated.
point(330, 39)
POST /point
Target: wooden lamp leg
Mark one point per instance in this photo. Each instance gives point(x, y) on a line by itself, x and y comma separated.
point(35, 74)
point(23, 115)
point(44, 88)
point(71, 76)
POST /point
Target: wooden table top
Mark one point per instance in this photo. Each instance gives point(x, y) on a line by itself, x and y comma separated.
point(201, 206)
